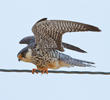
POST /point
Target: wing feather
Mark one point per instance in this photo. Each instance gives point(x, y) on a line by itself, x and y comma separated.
point(51, 31)
point(31, 40)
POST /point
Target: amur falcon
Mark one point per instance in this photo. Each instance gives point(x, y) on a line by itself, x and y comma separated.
point(45, 48)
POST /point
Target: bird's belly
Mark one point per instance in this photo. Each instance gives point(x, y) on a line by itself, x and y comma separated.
point(57, 64)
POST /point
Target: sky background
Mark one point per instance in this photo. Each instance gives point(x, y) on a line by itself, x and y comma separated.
point(16, 20)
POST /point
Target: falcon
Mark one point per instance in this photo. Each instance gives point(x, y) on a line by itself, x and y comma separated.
point(45, 48)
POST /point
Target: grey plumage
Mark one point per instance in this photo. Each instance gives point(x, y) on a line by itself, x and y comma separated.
point(74, 62)
point(27, 40)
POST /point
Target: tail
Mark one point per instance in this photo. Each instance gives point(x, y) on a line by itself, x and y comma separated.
point(75, 62)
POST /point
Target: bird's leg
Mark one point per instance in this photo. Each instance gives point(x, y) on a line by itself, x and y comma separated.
point(34, 70)
point(43, 70)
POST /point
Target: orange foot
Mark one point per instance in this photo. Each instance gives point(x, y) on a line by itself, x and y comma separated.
point(34, 70)
point(43, 70)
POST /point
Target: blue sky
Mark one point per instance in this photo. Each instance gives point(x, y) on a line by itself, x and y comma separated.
point(16, 20)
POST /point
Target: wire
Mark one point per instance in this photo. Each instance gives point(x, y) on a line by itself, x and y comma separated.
point(59, 72)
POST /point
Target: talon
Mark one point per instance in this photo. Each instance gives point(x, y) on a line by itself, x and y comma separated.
point(43, 70)
point(34, 70)
point(47, 71)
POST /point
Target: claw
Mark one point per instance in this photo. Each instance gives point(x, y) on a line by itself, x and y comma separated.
point(34, 70)
point(43, 70)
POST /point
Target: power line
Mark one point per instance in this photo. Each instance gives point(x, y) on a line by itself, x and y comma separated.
point(58, 72)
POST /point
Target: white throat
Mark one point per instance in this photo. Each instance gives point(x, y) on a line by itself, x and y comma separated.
point(29, 54)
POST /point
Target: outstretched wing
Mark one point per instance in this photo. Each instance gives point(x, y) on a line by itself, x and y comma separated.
point(30, 39)
point(48, 33)
point(72, 47)
point(27, 40)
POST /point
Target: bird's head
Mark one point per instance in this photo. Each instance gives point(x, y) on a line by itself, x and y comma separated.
point(25, 55)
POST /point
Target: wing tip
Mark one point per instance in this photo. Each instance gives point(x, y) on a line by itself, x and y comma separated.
point(94, 28)
point(90, 62)
point(21, 41)
point(27, 40)
point(82, 51)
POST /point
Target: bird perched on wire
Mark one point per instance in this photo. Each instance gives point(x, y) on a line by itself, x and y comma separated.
point(45, 48)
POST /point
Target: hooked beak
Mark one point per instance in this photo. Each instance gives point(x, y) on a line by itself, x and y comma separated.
point(19, 57)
